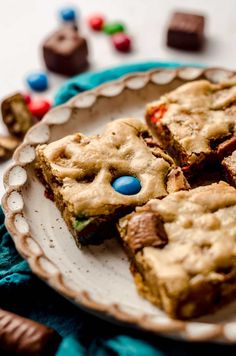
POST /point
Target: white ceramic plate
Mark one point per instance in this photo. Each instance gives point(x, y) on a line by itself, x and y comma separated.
point(97, 277)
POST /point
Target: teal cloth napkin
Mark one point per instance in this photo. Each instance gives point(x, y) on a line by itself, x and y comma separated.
point(90, 80)
point(83, 334)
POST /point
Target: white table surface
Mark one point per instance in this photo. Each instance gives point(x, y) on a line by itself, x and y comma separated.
point(25, 23)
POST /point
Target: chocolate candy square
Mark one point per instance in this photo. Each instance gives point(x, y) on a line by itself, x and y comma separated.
point(186, 31)
point(16, 115)
point(65, 52)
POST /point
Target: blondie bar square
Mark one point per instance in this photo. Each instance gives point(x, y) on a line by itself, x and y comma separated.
point(79, 171)
point(183, 249)
point(196, 123)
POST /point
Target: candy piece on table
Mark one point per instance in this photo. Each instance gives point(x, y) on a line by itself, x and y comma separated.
point(126, 185)
point(8, 144)
point(65, 52)
point(113, 27)
point(16, 115)
point(22, 336)
point(39, 107)
point(96, 22)
point(37, 81)
point(27, 98)
point(121, 42)
point(186, 31)
point(68, 14)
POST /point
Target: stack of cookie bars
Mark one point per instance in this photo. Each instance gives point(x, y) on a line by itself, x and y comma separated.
point(178, 231)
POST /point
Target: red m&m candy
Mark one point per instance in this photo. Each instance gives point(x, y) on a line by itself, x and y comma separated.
point(27, 98)
point(39, 107)
point(121, 42)
point(96, 22)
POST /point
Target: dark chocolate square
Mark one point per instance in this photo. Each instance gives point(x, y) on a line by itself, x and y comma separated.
point(186, 31)
point(65, 52)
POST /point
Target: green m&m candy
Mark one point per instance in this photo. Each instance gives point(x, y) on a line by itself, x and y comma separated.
point(113, 27)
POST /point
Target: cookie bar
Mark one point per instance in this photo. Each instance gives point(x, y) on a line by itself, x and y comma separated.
point(196, 123)
point(229, 166)
point(79, 171)
point(183, 249)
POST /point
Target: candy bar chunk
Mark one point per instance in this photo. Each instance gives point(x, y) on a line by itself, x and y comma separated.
point(182, 249)
point(229, 167)
point(16, 115)
point(8, 144)
point(195, 123)
point(21, 336)
point(65, 51)
point(186, 31)
point(95, 180)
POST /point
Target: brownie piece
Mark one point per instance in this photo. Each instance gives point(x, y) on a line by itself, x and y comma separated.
point(182, 249)
point(65, 51)
point(186, 31)
point(196, 123)
point(16, 115)
point(229, 167)
point(79, 171)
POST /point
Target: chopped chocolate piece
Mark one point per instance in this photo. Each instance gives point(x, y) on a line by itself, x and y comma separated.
point(146, 229)
point(186, 31)
point(65, 52)
point(229, 167)
point(8, 145)
point(26, 337)
point(16, 115)
point(226, 147)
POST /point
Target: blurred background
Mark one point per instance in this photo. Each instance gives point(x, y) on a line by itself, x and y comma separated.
point(25, 24)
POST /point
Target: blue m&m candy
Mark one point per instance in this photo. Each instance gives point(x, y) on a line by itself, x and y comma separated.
point(37, 81)
point(68, 14)
point(126, 185)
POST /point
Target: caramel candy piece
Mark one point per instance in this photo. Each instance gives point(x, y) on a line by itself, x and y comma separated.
point(8, 145)
point(26, 337)
point(186, 31)
point(65, 52)
point(145, 229)
point(16, 115)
